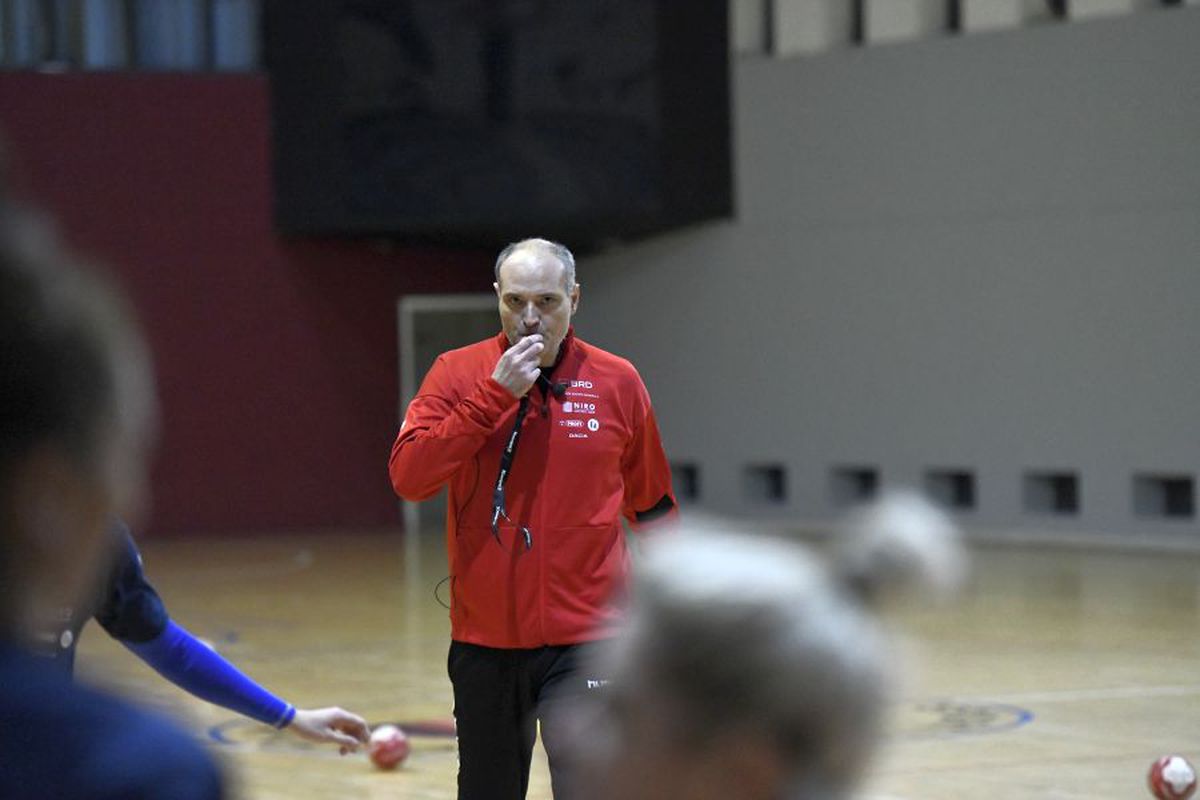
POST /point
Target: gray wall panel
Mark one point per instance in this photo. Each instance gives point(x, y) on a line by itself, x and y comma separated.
point(978, 252)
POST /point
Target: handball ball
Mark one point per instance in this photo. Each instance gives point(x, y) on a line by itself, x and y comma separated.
point(1172, 778)
point(388, 747)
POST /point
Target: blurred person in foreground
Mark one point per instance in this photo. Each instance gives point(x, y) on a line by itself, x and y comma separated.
point(124, 602)
point(752, 668)
point(77, 417)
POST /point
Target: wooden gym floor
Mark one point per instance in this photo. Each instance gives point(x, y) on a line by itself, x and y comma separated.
point(1061, 673)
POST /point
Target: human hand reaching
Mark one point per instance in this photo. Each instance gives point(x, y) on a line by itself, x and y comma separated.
point(331, 725)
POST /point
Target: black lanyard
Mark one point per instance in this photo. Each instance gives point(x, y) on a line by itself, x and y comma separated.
point(506, 460)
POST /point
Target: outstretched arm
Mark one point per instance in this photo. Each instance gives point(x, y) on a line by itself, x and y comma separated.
point(198, 669)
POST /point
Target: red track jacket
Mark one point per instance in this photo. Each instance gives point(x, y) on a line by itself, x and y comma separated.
point(583, 460)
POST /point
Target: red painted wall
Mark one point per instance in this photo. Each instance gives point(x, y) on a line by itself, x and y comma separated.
point(277, 359)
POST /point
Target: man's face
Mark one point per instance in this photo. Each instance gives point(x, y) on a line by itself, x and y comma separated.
point(534, 299)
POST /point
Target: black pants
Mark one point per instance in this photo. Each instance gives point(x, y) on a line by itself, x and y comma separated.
point(499, 698)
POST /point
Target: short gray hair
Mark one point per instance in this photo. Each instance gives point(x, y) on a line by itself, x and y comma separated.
point(746, 632)
point(559, 251)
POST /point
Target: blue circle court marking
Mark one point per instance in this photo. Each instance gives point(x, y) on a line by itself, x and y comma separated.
point(948, 719)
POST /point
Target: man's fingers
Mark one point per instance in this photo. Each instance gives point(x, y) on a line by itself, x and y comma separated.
point(530, 371)
point(527, 357)
point(526, 344)
point(517, 368)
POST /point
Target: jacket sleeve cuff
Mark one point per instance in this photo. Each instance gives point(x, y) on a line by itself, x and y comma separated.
point(495, 396)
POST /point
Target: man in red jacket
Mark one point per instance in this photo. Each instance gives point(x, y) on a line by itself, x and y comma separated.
point(536, 545)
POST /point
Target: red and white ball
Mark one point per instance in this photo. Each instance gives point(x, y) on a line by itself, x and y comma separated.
point(388, 747)
point(1172, 778)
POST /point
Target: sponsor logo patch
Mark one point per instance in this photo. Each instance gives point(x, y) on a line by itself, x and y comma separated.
point(578, 407)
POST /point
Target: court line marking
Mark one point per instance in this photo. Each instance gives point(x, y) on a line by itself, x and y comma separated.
point(1020, 718)
point(1077, 695)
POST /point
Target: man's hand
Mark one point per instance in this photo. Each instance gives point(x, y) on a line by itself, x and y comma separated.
point(332, 725)
point(517, 369)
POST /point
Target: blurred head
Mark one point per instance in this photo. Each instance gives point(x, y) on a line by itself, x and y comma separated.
point(76, 418)
point(748, 668)
point(743, 672)
point(535, 283)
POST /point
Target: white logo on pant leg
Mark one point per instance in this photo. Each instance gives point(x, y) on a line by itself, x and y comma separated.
point(593, 424)
point(596, 684)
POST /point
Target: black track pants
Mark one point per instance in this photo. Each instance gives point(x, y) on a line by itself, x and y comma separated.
point(499, 697)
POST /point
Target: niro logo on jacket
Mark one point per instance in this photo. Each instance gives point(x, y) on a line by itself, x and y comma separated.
point(576, 407)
